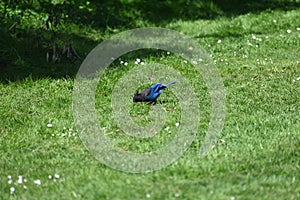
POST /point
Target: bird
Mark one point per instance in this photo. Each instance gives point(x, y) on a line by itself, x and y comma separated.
point(151, 94)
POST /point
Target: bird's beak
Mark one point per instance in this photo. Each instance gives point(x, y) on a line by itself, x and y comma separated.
point(134, 98)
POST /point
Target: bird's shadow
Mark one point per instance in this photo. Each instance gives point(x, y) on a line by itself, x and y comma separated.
point(161, 102)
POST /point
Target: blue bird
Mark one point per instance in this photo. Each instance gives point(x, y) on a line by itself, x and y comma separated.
point(151, 94)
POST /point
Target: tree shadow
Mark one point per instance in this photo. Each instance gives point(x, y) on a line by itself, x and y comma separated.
point(27, 54)
point(237, 7)
point(159, 12)
point(21, 55)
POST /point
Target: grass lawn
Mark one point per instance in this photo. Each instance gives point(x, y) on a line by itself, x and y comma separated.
point(257, 155)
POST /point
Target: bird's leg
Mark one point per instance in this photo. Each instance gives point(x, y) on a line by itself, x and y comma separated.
point(153, 103)
point(149, 102)
point(162, 102)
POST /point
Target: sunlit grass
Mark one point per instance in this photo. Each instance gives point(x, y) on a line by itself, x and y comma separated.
point(257, 155)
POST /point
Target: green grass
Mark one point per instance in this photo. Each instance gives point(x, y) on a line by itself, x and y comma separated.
point(257, 156)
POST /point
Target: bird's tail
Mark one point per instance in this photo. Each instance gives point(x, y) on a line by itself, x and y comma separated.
point(169, 83)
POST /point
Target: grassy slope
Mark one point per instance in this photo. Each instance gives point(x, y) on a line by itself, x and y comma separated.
point(260, 157)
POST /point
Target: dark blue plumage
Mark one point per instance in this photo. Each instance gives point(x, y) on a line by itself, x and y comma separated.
point(152, 93)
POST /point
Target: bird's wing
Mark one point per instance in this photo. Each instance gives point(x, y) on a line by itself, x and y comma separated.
point(159, 86)
point(156, 87)
point(146, 92)
point(166, 85)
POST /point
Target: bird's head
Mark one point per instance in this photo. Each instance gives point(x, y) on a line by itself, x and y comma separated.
point(137, 97)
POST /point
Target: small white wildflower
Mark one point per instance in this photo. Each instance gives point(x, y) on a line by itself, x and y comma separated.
point(12, 190)
point(219, 41)
point(249, 43)
point(57, 176)
point(267, 37)
point(288, 31)
point(177, 124)
point(298, 29)
point(10, 181)
point(253, 37)
point(274, 20)
point(148, 195)
point(50, 177)
point(25, 187)
point(20, 179)
point(298, 78)
point(121, 62)
point(9, 177)
point(38, 182)
point(185, 61)
point(177, 194)
point(49, 125)
point(25, 180)
point(142, 63)
point(168, 52)
point(200, 59)
point(194, 62)
point(138, 60)
point(125, 63)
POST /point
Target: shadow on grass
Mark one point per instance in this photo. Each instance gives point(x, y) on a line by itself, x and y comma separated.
point(23, 55)
point(238, 7)
point(130, 13)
